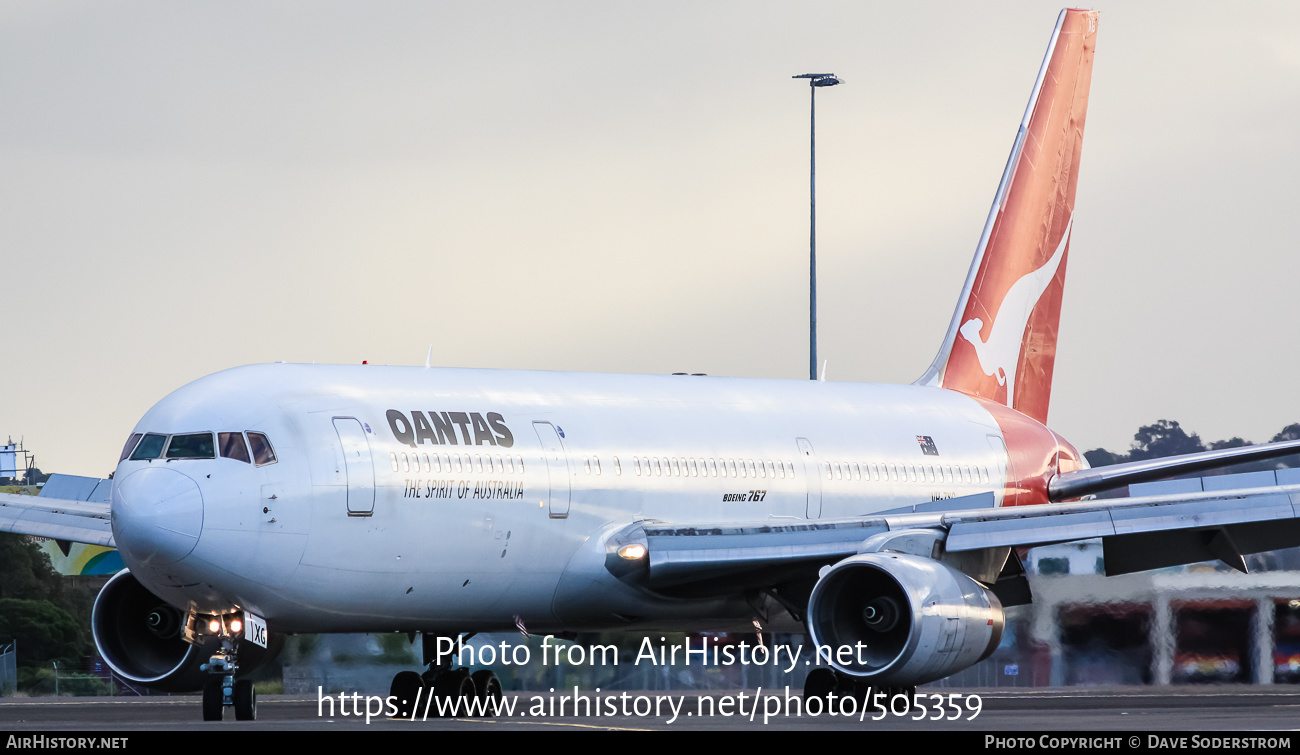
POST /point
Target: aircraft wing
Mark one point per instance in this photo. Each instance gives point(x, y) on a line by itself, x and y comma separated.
point(1138, 533)
point(61, 519)
point(1079, 483)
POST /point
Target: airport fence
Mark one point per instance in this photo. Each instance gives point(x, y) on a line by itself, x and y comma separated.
point(9, 669)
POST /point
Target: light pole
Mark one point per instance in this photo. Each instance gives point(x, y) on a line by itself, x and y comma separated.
point(814, 80)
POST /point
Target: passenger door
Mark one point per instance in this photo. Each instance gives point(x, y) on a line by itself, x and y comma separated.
point(813, 476)
point(557, 467)
point(360, 468)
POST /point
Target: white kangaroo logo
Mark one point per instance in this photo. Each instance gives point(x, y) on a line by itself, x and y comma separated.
point(1000, 354)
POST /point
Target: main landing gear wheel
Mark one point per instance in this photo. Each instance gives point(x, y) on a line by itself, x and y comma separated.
point(245, 700)
point(887, 700)
point(405, 689)
point(453, 685)
point(821, 682)
point(213, 706)
point(486, 685)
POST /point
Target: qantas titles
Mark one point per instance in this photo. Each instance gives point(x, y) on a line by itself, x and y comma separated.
point(439, 428)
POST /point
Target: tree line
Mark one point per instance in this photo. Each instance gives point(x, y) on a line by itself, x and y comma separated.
point(1168, 438)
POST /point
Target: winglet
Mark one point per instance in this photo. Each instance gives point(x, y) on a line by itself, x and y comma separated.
point(1001, 343)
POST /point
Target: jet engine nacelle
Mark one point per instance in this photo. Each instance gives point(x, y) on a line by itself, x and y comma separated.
point(139, 635)
point(907, 619)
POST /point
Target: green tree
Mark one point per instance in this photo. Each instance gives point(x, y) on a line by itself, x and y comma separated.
point(1164, 438)
point(45, 631)
point(49, 621)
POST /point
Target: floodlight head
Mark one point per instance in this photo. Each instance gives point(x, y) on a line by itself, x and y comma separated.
point(813, 76)
point(829, 81)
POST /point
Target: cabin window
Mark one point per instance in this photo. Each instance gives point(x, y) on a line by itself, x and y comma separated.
point(130, 445)
point(406, 463)
point(437, 463)
point(393, 458)
point(519, 462)
point(618, 468)
point(263, 454)
point(233, 447)
point(191, 446)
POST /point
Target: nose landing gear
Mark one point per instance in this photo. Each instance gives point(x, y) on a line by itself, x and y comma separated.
point(224, 689)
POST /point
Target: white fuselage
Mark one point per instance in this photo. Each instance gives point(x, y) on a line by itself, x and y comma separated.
point(396, 528)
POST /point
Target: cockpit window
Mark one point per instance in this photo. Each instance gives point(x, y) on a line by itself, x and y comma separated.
point(150, 447)
point(130, 445)
point(263, 454)
point(232, 446)
point(191, 446)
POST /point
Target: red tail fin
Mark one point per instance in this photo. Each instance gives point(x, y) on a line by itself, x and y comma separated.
point(1001, 344)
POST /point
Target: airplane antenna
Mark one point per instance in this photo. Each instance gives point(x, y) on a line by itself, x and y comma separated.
point(429, 357)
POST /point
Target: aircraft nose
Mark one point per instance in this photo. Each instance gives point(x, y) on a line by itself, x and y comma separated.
point(157, 515)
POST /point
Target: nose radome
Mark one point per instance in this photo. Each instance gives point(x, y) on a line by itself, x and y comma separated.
point(157, 515)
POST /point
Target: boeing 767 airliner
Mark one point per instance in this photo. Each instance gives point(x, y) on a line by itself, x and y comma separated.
point(284, 498)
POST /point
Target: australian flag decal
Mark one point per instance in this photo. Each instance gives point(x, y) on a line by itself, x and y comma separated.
point(927, 445)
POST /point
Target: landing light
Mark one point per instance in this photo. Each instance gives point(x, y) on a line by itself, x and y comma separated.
point(236, 626)
point(632, 551)
point(214, 626)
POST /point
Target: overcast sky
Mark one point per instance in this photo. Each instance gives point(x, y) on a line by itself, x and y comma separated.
point(622, 187)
